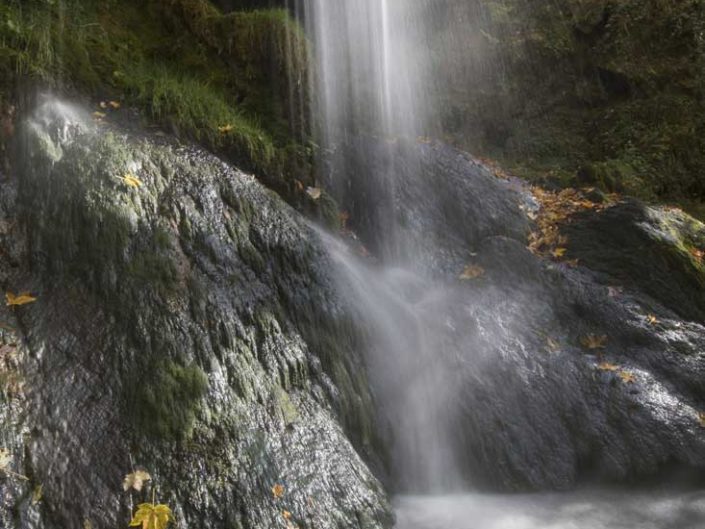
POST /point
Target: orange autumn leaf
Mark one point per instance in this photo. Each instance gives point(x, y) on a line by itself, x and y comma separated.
point(13, 300)
point(592, 341)
point(278, 490)
point(607, 366)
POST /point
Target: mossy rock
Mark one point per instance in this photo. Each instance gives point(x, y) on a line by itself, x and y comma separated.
point(654, 250)
point(165, 398)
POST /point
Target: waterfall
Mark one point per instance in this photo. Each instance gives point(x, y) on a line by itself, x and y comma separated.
point(372, 88)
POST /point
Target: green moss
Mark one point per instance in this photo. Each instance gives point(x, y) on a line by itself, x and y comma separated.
point(185, 65)
point(154, 271)
point(165, 398)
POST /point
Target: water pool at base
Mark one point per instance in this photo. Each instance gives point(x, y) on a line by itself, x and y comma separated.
point(578, 510)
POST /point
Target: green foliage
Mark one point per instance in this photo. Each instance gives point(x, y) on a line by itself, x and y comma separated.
point(187, 66)
point(165, 398)
point(607, 87)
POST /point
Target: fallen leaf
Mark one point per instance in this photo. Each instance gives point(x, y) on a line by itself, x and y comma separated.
point(314, 192)
point(151, 516)
point(13, 300)
point(286, 515)
point(87, 524)
point(98, 115)
point(278, 490)
point(299, 185)
point(37, 494)
point(552, 345)
point(472, 272)
point(607, 366)
point(697, 253)
point(559, 252)
point(627, 377)
point(652, 319)
point(135, 480)
point(224, 129)
point(592, 341)
point(614, 292)
point(131, 180)
point(701, 418)
point(114, 104)
point(103, 104)
point(344, 217)
point(5, 459)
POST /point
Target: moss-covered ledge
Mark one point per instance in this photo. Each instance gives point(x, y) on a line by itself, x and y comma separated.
point(234, 83)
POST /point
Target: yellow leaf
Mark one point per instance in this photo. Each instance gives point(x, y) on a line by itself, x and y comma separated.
point(559, 252)
point(135, 480)
point(701, 418)
point(652, 319)
point(314, 192)
point(131, 180)
point(627, 377)
point(114, 104)
point(277, 490)
point(37, 494)
point(224, 129)
point(150, 516)
point(5, 459)
point(472, 272)
point(606, 366)
point(22, 299)
point(592, 341)
point(286, 515)
point(87, 524)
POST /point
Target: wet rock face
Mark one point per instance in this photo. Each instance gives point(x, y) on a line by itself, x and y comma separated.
point(425, 203)
point(185, 324)
point(553, 373)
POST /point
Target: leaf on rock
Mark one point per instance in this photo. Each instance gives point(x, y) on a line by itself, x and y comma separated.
point(697, 253)
point(651, 319)
point(559, 252)
point(12, 300)
point(87, 524)
point(5, 459)
point(135, 480)
point(224, 129)
point(552, 345)
point(286, 515)
point(607, 366)
point(592, 341)
point(472, 272)
point(614, 292)
point(98, 115)
point(114, 104)
point(131, 180)
point(701, 418)
point(627, 377)
point(37, 494)
point(278, 490)
point(150, 516)
point(314, 192)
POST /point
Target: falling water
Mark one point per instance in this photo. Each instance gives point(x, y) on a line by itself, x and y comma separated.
point(371, 61)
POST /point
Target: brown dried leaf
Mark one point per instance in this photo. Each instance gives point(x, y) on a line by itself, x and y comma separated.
point(592, 341)
point(135, 480)
point(472, 272)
